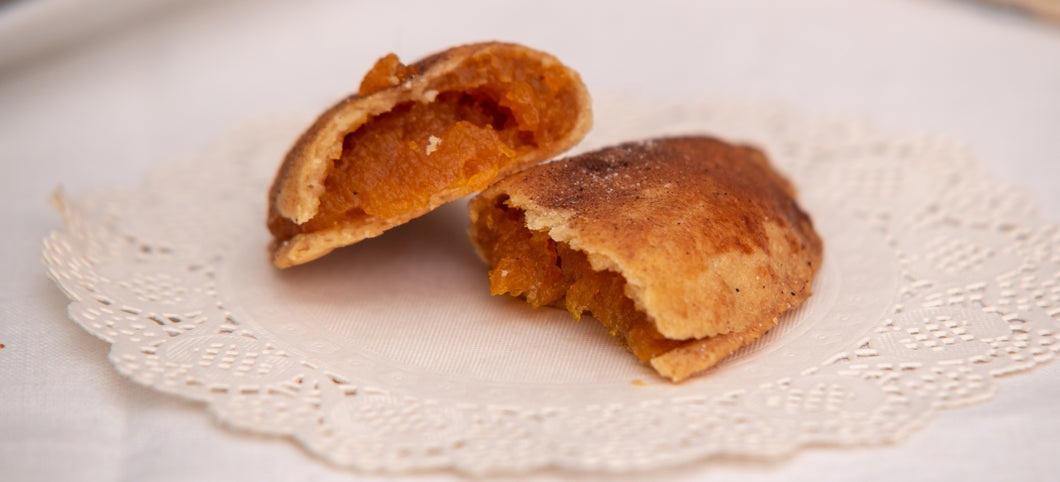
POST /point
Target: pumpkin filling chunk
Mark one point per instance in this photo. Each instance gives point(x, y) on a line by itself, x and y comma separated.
point(528, 263)
point(482, 117)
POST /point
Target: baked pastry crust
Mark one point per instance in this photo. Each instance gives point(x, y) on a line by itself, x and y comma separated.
point(300, 183)
point(708, 238)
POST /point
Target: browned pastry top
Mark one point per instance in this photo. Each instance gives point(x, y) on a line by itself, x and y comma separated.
point(707, 235)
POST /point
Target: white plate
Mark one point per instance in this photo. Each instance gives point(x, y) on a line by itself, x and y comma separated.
point(390, 355)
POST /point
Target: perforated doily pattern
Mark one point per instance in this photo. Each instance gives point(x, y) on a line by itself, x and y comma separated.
point(946, 280)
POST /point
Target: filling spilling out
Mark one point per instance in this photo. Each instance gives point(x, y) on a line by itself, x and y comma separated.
point(485, 114)
point(530, 264)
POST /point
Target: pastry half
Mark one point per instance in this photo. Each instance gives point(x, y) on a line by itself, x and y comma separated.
point(417, 136)
point(685, 248)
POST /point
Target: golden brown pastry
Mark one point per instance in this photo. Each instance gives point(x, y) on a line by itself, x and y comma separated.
point(686, 248)
point(417, 136)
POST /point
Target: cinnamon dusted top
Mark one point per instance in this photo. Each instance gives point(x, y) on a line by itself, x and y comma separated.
point(708, 237)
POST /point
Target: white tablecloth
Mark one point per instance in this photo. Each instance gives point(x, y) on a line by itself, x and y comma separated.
point(93, 94)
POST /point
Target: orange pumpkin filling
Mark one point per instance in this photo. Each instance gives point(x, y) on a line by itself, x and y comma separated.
point(483, 116)
point(528, 263)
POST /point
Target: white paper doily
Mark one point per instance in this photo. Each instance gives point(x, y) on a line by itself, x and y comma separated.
point(391, 355)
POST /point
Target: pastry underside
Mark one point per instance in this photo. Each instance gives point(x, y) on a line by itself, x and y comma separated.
point(685, 248)
point(417, 136)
